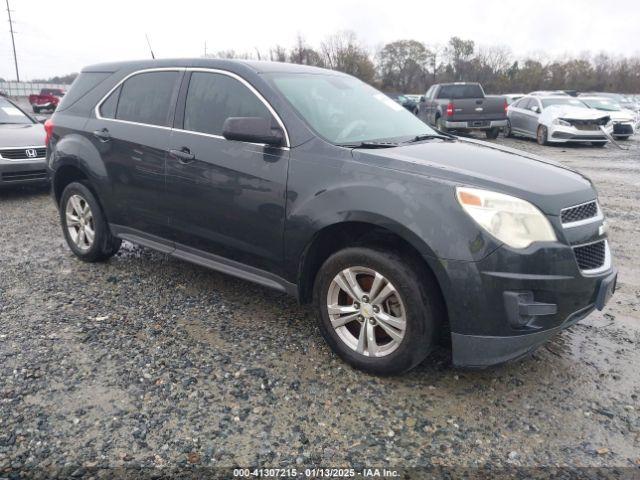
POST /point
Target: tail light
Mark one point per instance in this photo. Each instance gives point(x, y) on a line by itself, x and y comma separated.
point(450, 109)
point(506, 106)
point(48, 129)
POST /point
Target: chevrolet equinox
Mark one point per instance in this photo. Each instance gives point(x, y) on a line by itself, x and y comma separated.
point(313, 183)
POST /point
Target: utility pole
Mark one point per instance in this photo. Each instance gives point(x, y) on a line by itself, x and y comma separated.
point(13, 42)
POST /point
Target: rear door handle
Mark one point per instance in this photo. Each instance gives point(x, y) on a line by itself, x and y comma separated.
point(102, 135)
point(183, 155)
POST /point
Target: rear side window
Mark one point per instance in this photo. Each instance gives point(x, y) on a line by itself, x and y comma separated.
point(83, 84)
point(214, 97)
point(461, 91)
point(146, 98)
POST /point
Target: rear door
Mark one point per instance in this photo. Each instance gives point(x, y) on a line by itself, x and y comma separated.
point(228, 198)
point(131, 132)
point(517, 114)
point(531, 116)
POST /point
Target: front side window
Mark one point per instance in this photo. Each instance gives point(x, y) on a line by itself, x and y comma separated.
point(344, 110)
point(146, 98)
point(214, 97)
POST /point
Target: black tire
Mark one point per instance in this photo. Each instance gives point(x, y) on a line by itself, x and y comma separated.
point(508, 133)
point(104, 244)
point(542, 135)
point(626, 137)
point(416, 111)
point(419, 294)
point(598, 144)
point(440, 125)
point(492, 133)
point(36, 110)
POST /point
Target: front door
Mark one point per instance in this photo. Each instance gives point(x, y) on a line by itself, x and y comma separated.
point(227, 197)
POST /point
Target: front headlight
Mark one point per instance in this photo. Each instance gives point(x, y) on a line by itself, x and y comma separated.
point(510, 219)
point(559, 121)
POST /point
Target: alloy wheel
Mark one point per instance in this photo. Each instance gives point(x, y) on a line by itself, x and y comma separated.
point(366, 311)
point(79, 220)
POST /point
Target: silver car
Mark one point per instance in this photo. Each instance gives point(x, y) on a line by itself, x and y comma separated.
point(557, 119)
point(22, 147)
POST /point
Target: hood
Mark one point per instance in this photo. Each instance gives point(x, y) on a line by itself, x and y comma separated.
point(30, 135)
point(568, 112)
point(547, 184)
point(622, 115)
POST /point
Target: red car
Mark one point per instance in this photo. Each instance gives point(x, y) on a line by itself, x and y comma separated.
point(47, 99)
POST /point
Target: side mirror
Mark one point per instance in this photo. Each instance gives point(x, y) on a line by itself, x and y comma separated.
point(422, 99)
point(535, 109)
point(252, 129)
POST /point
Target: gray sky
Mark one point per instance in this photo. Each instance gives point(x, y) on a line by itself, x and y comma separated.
point(60, 36)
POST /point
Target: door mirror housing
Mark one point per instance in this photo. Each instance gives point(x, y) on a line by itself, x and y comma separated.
point(252, 129)
point(535, 108)
point(422, 99)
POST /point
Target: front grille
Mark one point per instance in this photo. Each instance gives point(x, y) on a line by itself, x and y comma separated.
point(622, 129)
point(589, 125)
point(579, 212)
point(24, 175)
point(23, 153)
point(590, 256)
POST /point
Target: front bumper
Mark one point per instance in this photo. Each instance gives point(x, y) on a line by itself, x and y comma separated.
point(564, 134)
point(476, 124)
point(21, 172)
point(552, 295)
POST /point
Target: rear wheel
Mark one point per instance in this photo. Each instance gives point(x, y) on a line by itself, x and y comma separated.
point(84, 225)
point(541, 135)
point(440, 124)
point(507, 130)
point(492, 133)
point(375, 311)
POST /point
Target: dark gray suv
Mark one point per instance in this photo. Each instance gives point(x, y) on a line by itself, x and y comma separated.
point(313, 183)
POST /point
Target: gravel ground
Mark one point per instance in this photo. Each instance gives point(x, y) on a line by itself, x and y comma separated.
point(150, 361)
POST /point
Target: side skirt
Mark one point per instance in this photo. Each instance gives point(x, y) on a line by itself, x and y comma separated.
point(205, 259)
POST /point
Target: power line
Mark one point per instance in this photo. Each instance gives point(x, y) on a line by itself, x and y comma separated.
point(13, 42)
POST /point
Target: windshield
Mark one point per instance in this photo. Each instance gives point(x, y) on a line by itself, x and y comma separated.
point(344, 110)
point(549, 102)
point(10, 114)
point(606, 105)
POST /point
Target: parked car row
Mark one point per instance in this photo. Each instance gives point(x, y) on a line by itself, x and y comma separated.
point(549, 116)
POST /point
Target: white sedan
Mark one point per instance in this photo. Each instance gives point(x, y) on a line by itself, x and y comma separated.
point(625, 122)
point(558, 119)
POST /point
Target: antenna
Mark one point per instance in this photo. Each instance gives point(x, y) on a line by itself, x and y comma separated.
point(13, 42)
point(148, 43)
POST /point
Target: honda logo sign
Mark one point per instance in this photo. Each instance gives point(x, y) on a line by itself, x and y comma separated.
point(31, 153)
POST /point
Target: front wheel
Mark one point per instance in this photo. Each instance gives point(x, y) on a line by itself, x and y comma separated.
point(542, 135)
point(375, 311)
point(84, 225)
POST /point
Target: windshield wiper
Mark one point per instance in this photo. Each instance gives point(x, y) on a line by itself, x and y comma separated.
point(428, 136)
point(370, 145)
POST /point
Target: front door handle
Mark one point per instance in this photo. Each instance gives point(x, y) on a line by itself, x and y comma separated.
point(102, 135)
point(183, 154)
